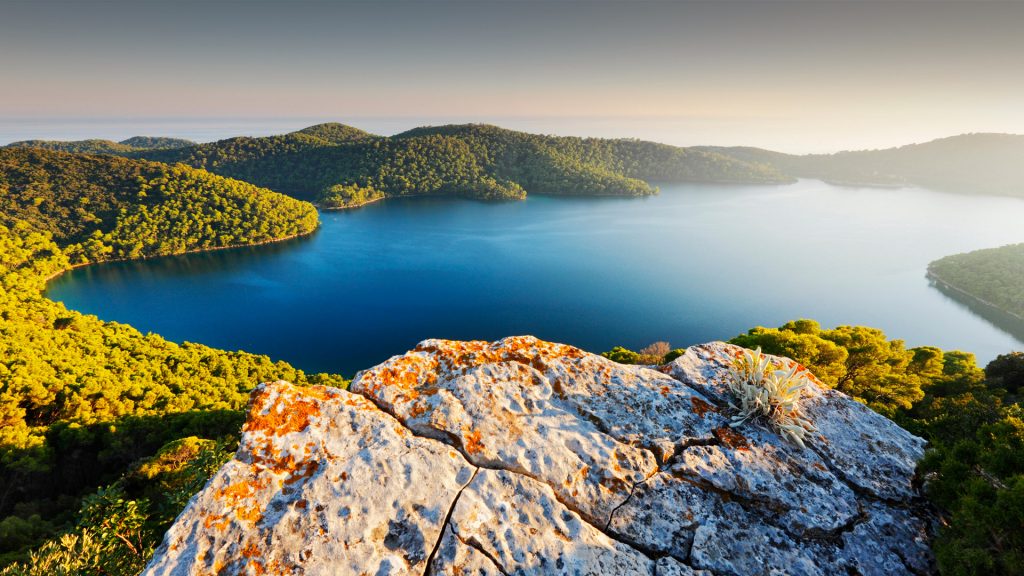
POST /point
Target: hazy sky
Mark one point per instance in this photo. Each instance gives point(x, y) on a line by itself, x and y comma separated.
point(795, 76)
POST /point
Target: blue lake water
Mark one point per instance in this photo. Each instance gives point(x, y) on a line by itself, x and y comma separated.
point(695, 263)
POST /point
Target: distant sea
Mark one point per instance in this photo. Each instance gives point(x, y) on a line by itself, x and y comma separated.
point(678, 131)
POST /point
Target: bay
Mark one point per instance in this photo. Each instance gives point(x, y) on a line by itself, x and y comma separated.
point(698, 262)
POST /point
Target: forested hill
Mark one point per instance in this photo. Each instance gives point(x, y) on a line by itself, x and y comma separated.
point(969, 163)
point(106, 207)
point(994, 276)
point(96, 146)
point(341, 165)
point(479, 161)
point(85, 403)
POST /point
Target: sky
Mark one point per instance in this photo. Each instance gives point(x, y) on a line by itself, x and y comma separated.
point(792, 76)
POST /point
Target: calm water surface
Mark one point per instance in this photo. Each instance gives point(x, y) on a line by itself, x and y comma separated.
point(696, 263)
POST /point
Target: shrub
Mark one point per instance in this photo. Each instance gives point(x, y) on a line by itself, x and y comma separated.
point(768, 394)
point(622, 355)
point(654, 353)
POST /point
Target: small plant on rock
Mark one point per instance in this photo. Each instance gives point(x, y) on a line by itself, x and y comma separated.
point(768, 394)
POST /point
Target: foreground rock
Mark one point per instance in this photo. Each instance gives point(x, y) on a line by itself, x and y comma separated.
point(526, 457)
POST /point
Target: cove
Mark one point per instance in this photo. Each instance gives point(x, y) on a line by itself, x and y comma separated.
point(698, 262)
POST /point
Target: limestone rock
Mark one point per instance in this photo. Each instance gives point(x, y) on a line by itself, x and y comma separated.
point(323, 483)
point(516, 405)
point(519, 525)
point(867, 449)
point(526, 457)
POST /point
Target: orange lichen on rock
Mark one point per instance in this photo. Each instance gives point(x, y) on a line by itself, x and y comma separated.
point(701, 407)
point(452, 355)
point(239, 501)
point(731, 438)
point(280, 410)
point(472, 442)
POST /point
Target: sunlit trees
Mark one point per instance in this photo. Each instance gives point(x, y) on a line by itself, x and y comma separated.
point(82, 399)
point(475, 161)
point(856, 360)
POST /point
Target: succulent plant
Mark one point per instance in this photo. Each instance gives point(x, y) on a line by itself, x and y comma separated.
point(768, 394)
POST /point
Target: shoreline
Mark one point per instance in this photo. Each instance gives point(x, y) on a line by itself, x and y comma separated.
point(323, 208)
point(931, 275)
point(51, 277)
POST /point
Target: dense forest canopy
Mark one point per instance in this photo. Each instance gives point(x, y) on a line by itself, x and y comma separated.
point(968, 163)
point(105, 207)
point(476, 161)
point(82, 400)
point(993, 275)
point(156, 142)
point(95, 146)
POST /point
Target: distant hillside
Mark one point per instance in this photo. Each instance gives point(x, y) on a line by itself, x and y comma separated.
point(96, 146)
point(969, 163)
point(335, 133)
point(478, 161)
point(156, 142)
point(484, 161)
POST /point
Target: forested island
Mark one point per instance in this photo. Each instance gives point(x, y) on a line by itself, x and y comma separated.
point(994, 277)
point(341, 166)
point(105, 432)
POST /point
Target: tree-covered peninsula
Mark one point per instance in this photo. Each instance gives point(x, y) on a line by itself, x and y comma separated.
point(994, 276)
point(474, 160)
point(106, 208)
point(82, 400)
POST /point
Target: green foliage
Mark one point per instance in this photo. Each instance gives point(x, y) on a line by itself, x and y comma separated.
point(76, 553)
point(1008, 371)
point(856, 360)
point(655, 353)
point(118, 526)
point(673, 354)
point(156, 142)
point(347, 196)
point(476, 161)
point(133, 144)
point(993, 275)
point(92, 146)
point(106, 208)
point(335, 133)
point(622, 355)
point(68, 382)
point(979, 480)
point(82, 399)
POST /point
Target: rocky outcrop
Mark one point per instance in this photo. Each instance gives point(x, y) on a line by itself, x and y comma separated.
point(527, 457)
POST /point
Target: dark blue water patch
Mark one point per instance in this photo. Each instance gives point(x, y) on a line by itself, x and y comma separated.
point(696, 263)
